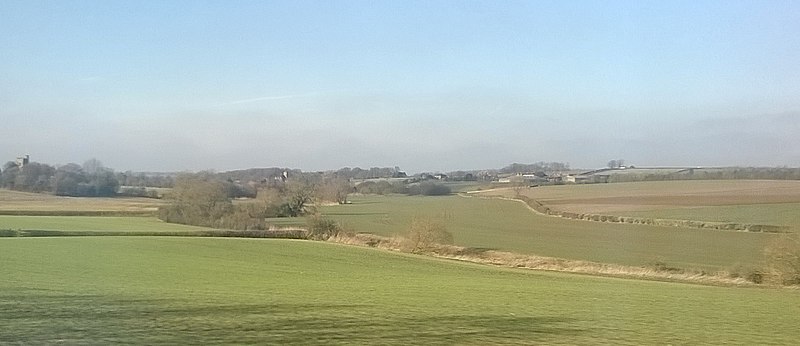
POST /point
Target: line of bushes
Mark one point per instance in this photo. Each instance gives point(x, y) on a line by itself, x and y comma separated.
point(728, 173)
point(425, 188)
point(726, 226)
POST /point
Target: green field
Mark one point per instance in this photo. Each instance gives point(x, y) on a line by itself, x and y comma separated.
point(90, 223)
point(490, 223)
point(509, 225)
point(151, 290)
point(781, 214)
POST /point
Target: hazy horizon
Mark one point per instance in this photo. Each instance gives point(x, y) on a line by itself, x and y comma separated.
point(423, 85)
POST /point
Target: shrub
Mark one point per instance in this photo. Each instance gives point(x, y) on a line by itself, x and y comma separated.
point(320, 228)
point(662, 266)
point(425, 233)
point(241, 219)
point(783, 260)
point(747, 272)
point(9, 233)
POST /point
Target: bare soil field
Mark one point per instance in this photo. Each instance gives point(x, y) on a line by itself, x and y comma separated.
point(642, 196)
point(15, 201)
point(774, 204)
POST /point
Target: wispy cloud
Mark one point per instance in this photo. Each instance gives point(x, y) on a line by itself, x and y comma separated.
point(92, 79)
point(266, 98)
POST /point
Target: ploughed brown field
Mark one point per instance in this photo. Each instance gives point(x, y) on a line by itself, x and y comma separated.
point(642, 196)
point(25, 201)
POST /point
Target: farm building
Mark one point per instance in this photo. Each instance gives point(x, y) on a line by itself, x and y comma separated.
point(591, 179)
point(563, 179)
point(23, 160)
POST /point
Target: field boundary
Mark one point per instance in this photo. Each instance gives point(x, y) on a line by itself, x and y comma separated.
point(553, 264)
point(78, 212)
point(287, 233)
point(541, 209)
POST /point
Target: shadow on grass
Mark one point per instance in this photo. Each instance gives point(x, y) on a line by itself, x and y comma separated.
point(28, 316)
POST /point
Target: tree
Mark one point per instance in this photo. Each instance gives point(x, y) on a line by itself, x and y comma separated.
point(8, 165)
point(92, 166)
point(334, 189)
point(197, 199)
point(101, 180)
point(519, 187)
point(34, 177)
point(298, 195)
point(9, 175)
point(104, 183)
point(540, 166)
point(67, 180)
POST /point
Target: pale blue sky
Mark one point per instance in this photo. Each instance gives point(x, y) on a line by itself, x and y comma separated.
point(427, 85)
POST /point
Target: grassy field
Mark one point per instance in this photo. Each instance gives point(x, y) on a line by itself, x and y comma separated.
point(782, 214)
point(36, 203)
point(509, 225)
point(143, 290)
point(90, 223)
point(475, 222)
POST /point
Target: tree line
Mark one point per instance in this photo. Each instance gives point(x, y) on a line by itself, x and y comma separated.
point(91, 179)
point(540, 166)
point(383, 187)
point(262, 174)
point(731, 173)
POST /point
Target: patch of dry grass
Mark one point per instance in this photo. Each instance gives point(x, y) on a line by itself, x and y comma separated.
point(16, 202)
point(657, 271)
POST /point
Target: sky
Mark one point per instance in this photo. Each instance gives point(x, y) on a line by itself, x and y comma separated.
point(424, 85)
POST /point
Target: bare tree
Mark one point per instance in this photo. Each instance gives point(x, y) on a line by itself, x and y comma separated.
point(334, 190)
point(197, 199)
point(93, 166)
point(519, 187)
